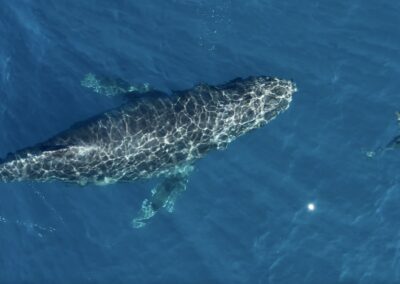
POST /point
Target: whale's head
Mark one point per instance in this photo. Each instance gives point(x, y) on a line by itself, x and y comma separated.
point(256, 100)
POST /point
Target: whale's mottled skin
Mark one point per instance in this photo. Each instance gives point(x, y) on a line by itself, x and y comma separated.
point(154, 135)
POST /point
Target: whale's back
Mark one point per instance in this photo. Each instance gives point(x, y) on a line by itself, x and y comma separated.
point(139, 139)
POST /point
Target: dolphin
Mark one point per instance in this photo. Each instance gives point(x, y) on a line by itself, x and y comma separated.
point(155, 135)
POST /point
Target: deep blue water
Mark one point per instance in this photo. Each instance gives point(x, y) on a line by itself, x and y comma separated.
point(244, 217)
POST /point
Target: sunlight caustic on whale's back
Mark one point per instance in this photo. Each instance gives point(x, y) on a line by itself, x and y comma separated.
point(148, 136)
point(152, 136)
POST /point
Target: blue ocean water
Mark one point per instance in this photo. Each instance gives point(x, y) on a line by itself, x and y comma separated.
point(244, 217)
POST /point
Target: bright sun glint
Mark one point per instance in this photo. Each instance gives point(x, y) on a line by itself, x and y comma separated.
point(310, 206)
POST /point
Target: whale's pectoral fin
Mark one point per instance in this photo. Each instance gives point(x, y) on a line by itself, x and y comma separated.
point(112, 87)
point(163, 195)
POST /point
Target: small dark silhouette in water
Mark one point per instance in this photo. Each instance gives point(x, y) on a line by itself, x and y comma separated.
point(392, 145)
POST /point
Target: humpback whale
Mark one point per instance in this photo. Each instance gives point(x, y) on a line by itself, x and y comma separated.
point(152, 135)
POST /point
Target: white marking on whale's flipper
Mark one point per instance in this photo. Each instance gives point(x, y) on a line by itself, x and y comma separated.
point(111, 87)
point(163, 195)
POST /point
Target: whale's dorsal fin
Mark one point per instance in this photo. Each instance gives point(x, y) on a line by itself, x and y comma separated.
point(237, 79)
point(204, 87)
point(48, 148)
point(134, 96)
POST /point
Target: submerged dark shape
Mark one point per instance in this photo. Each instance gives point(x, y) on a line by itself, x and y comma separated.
point(393, 144)
point(153, 136)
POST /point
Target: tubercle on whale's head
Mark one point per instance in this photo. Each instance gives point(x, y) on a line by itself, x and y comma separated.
point(274, 90)
point(275, 95)
point(262, 93)
point(262, 86)
point(252, 102)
